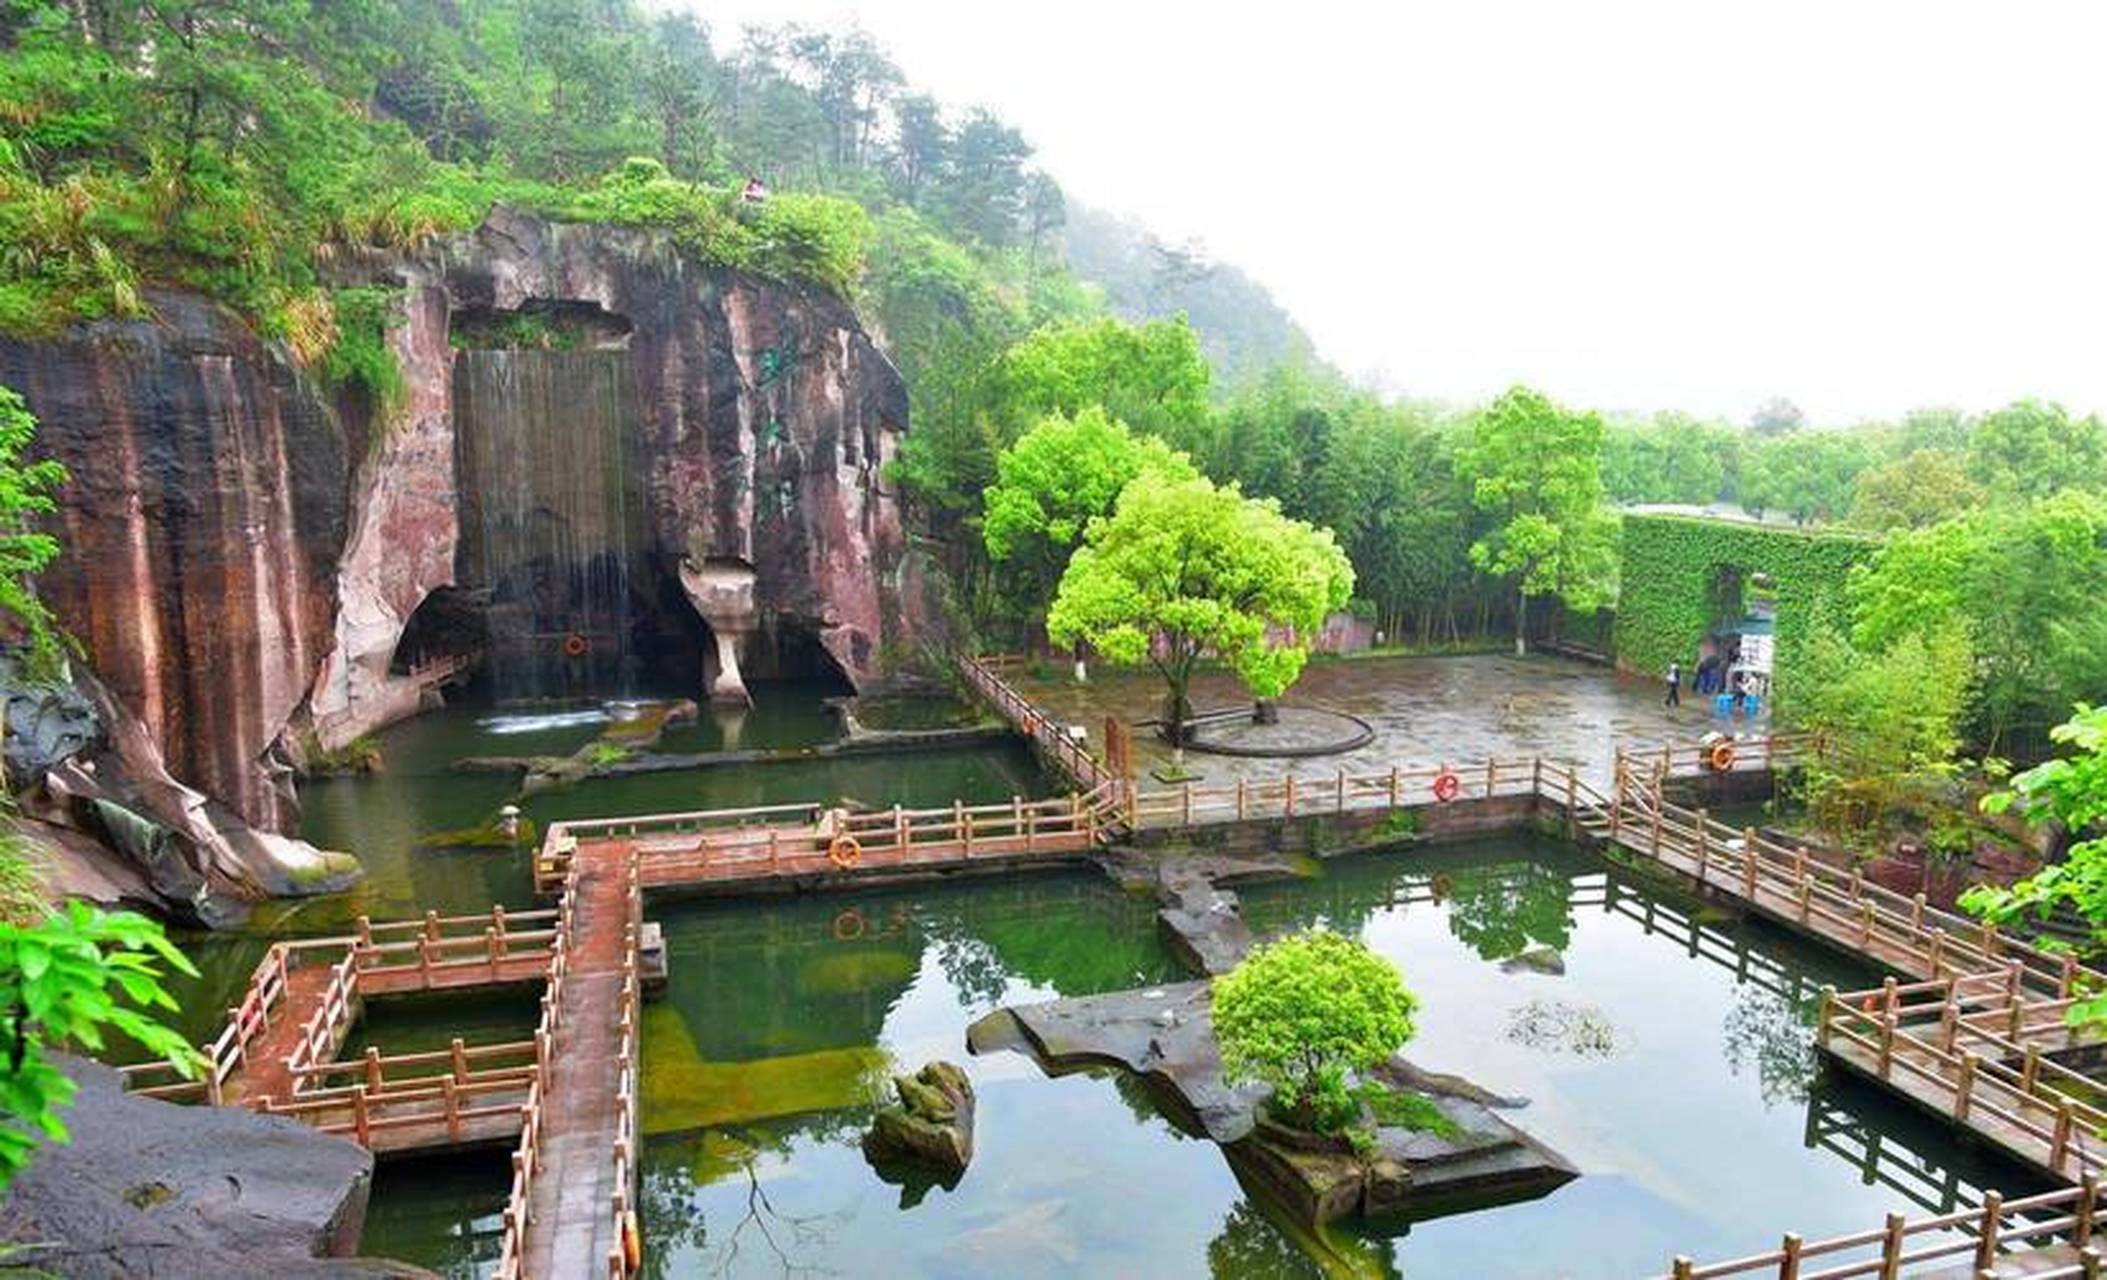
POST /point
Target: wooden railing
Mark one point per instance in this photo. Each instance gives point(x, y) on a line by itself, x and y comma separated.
point(1694, 759)
point(1897, 929)
point(1979, 1235)
point(228, 1052)
point(1067, 754)
point(628, 1087)
point(1293, 796)
point(527, 1157)
point(437, 945)
point(787, 838)
point(2006, 1090)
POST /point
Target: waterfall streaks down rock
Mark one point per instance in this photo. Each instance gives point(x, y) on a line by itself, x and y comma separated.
point(245, 551)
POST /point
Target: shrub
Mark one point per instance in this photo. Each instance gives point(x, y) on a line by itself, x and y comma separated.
point(1304, 1013)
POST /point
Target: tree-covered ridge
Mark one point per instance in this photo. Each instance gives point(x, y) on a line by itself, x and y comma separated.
point(236, 146)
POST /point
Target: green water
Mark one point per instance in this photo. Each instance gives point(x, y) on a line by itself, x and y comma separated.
point(1670, 1061)
point(443, 1213)
point(1683, 1085)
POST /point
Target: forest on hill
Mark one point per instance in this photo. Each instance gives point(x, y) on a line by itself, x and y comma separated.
point(240, 147)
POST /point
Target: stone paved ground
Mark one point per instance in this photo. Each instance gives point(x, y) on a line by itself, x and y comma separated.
point(1426, 711)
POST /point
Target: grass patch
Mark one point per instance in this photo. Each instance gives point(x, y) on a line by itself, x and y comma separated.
point(1408, 1109)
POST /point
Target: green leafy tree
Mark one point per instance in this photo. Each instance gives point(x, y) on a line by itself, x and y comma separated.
point(1808, 475)
point(1537, 470)
point(1669, 458)
point(1182, 570)
point(26, 490)
point(2031, 450)
point(65, 980)
point(1305, 1013)
point(2072, 790)
point(1151, 376)
point(1892, 720)
point(2023, 581)
point(1053, 482)
point(1915, 490)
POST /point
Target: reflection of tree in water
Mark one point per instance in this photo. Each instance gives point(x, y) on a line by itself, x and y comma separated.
point(674, 1224)
point(1249, 1245)
point(1774, 1035)
point(1255, 1242)
point(972, 967)
point(1077, 939)
point(1504, 909)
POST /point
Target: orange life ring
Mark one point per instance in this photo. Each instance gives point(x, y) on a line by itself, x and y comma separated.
point(848, 926)
point(574, 645)
point(843, 851)
point(632, 1241)
point(1722, 756)
point(1447, 786)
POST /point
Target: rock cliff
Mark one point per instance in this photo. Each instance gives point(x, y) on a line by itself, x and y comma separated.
point(245, 552)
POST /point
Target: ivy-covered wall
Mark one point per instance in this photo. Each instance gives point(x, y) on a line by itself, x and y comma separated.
point(1668, 596)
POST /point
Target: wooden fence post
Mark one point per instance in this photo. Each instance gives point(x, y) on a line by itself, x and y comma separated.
point(1988, 1229)
point(1891, 1247)
point(1964, 1095)
point(1789, 1264)
point(2088, 1208)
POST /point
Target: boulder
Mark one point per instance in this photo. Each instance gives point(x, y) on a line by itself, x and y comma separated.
point(932, 1125)
point(153, 1189)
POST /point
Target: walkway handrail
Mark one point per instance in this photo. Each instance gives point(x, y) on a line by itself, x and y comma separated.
point(2077, 1216)
point(1084, 770)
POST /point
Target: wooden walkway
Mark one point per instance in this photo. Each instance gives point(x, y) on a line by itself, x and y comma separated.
point(1969, 1038)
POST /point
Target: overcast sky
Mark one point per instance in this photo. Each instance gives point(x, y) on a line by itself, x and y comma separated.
point(1860, 206)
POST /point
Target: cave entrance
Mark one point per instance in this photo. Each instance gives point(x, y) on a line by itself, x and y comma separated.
point(785, 650)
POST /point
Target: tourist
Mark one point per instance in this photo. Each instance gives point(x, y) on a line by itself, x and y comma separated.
point(1708, 680)
point(1675, 684)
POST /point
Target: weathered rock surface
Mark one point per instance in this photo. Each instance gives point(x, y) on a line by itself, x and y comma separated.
point(931, 1125)
point(244, 552)
point(152, 1189)
point(201, 529)
point(764, 417)
point(1166, 1035)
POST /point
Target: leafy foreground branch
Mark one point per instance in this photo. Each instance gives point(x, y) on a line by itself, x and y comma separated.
point(2071, 790)
point(67, 980)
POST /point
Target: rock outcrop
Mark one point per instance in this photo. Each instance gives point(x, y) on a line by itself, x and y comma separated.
point(1464, 1154)
point(149, 1188)
point(931, 1125)
point(763, 416)
point(244, 551)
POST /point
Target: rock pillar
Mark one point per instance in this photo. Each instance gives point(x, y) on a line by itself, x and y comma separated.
point(722, 592)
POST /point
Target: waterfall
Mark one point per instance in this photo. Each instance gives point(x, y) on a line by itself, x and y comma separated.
point(550, 516)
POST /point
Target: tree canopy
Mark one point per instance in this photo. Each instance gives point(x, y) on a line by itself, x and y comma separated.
point(1183, 570)
point(1304, 1013)
point(1052, 482)
point(1538, 470)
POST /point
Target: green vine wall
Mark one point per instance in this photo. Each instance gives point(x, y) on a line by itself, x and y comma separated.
point(1668, 595)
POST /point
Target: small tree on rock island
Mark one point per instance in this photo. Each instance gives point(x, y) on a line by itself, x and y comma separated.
point(1183, 570)
point(1305, 1013)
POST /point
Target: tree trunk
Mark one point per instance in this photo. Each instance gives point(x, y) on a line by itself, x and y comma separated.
point(1521, 623)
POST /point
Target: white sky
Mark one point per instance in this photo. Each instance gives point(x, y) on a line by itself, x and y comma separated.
point(1862, 206)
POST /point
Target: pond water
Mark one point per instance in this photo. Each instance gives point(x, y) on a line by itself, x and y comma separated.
point(1669, 1060)
point(1682, 1084)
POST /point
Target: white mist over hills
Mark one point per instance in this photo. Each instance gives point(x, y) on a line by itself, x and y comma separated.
point(1861, 207)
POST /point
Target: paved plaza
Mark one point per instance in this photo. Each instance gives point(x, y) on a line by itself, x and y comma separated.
point(1425, 711)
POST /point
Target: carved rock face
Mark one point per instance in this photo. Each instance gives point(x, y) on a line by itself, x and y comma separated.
point(201, 530)
point(242, 560)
